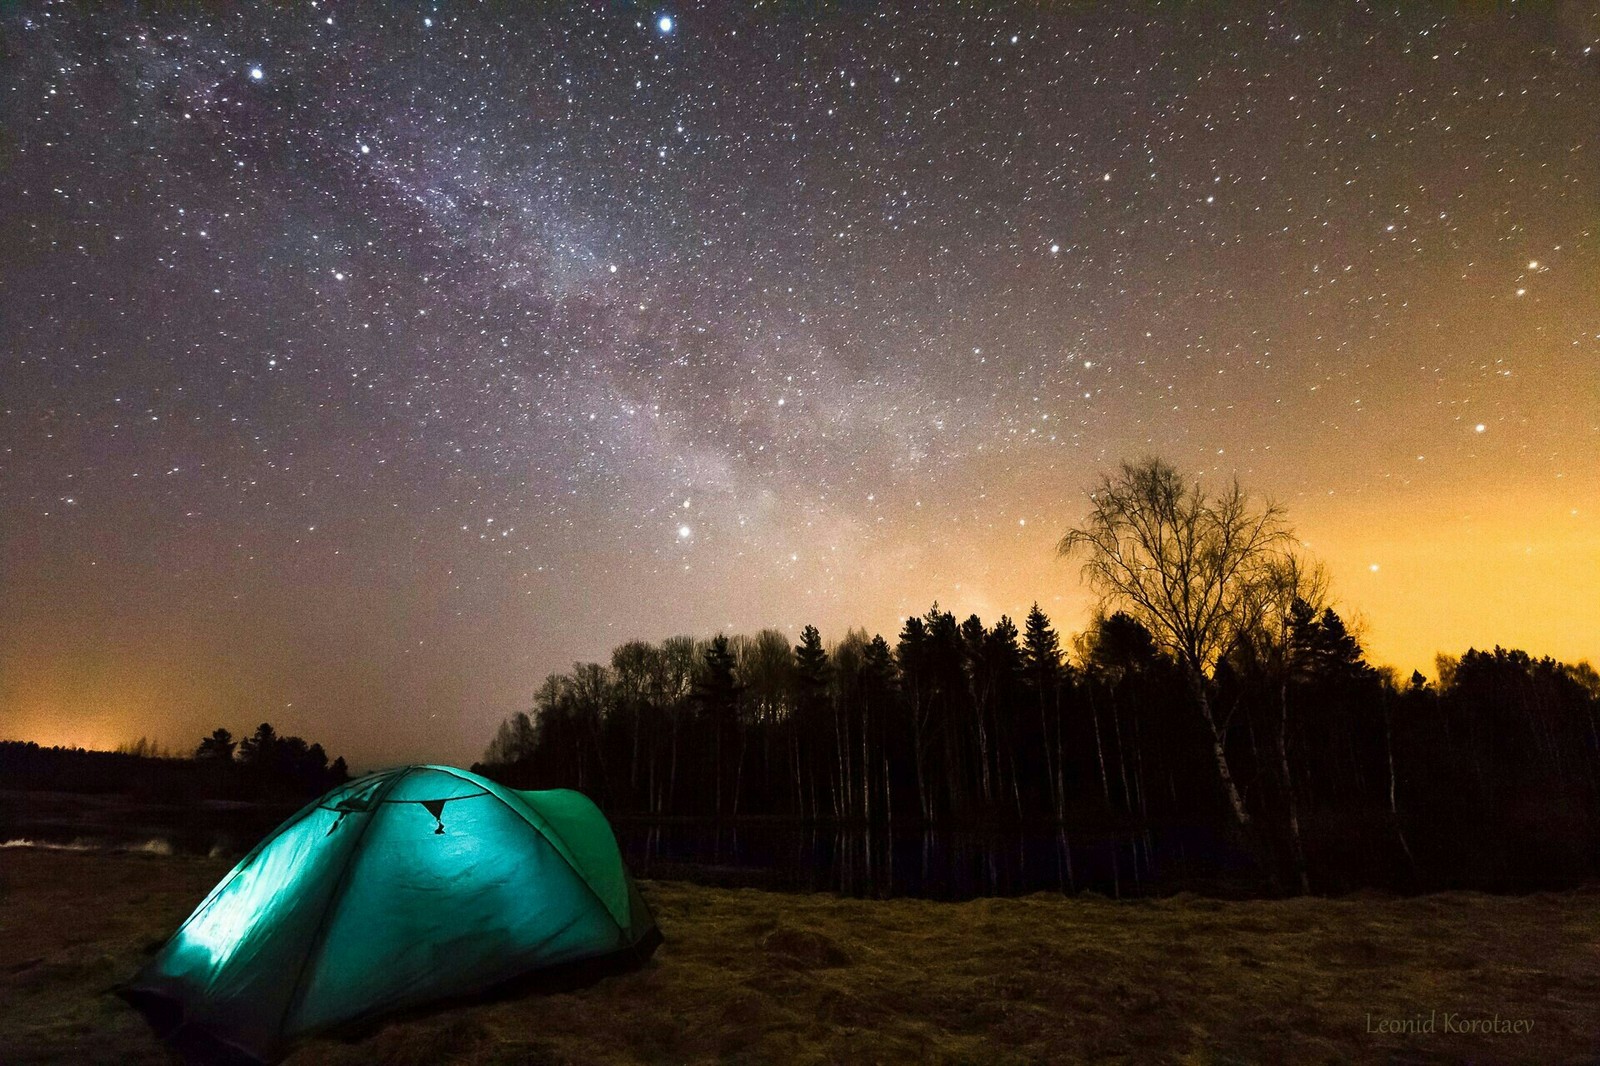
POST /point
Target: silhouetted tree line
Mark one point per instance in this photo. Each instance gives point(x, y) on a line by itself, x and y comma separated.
point(263, 766)
point(1490, 778)
point(1216, 688)
point(270, 761)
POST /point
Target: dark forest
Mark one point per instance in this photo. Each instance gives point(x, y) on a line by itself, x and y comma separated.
point(1229, 696)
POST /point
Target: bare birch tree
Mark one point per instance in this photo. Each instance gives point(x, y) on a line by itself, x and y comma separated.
point(1192, 567)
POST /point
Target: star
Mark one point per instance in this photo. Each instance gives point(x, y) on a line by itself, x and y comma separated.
point(808, 209)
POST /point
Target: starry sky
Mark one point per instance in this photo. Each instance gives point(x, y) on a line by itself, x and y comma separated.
point(361, 365)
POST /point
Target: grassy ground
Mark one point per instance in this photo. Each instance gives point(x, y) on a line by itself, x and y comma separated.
point(755, 977)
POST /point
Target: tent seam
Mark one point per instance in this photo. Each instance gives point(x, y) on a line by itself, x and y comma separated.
point(314, 946)
point(565, 850)
point(241, 866)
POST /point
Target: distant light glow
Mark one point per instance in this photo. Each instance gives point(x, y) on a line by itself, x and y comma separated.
point(833, 331)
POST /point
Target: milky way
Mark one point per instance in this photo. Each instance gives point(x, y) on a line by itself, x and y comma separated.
point(360, 367)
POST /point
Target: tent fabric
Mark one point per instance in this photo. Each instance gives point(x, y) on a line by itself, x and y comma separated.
point(399, 888)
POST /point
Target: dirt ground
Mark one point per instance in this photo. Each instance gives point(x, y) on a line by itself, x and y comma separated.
point(756, 977)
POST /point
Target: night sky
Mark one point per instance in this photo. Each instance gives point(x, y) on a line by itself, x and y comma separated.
point(358, 368)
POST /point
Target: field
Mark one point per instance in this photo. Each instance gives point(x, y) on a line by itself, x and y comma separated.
point(757, 977)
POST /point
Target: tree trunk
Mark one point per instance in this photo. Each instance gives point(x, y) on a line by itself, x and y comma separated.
point(923, 805)
point(1044, 743)
point(672, 768)
point(633, 770)
point(1197, 688)
point(1394, 807)
point(799, 778)
point(1099, 746)
point(1016, 776)
point(866, 773)
point(1061, 770)
point(738, 775)
point(842, 787)
point(1296, 849)
point(984, 786)
point(716, 805)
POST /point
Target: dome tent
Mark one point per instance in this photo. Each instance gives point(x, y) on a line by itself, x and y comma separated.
point(398, 888)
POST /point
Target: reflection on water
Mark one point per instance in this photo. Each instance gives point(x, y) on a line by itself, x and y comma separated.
point(854, 861)
point(113, 822)
point(152, 846)
point(930, 863)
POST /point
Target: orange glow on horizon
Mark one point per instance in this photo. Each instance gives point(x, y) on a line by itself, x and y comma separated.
point(1417, 578)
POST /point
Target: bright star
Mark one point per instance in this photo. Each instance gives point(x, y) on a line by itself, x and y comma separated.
point(684, 532)
point(664, 23)
point(256, 74)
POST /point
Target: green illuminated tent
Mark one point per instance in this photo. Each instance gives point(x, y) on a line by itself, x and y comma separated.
point(395, 889)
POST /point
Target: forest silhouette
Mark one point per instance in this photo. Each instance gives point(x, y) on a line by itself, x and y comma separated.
point(1216, 687)
point(1216, 699)
point(265, 766)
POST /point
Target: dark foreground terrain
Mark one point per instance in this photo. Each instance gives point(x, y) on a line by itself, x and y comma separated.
point(757, 977)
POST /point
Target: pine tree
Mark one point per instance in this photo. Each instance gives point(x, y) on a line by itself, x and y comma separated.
point(812, 669)
point(1041, 650)
point(260, 749)
point(1041, 658)
point(717, 693)
point(812, 673)
point(218, 747)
